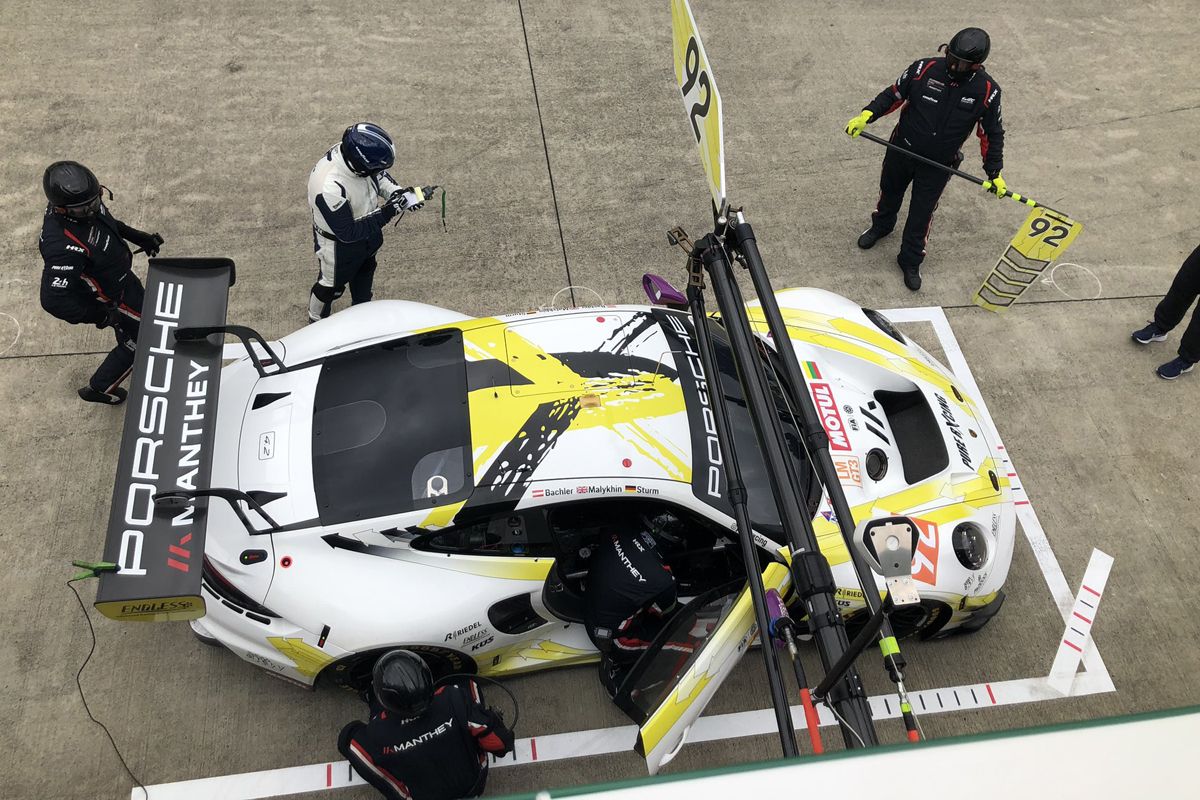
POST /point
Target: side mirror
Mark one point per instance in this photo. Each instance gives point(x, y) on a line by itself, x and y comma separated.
point(888, 544)
point(662, 293)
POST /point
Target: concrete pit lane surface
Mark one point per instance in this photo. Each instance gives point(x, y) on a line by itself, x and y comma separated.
point(205, 119)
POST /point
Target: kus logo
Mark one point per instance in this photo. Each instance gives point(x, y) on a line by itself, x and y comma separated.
point(831, 418)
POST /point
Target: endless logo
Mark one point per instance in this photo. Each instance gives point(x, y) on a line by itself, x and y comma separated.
point(831, 418)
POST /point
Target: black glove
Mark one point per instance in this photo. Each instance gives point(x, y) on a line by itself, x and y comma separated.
point(401, 200)
point(495, 723)
point(107, 316)
point(149, 243)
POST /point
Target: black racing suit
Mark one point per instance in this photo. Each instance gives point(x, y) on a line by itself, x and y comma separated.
point(440, 755)
point(88, 275)
point(938, 113)
point(630, 594)
point(1171, 310)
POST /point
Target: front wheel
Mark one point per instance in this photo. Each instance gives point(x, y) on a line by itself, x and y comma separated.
point(923, 620)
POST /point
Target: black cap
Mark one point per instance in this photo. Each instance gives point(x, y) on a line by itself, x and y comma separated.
point(403, 683)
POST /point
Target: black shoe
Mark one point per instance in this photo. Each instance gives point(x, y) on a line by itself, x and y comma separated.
point(869, 237)
point(1174, 368)
point(92, 396)
point(912, 275)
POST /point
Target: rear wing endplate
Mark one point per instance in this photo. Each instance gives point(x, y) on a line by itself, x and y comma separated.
point(170, 423)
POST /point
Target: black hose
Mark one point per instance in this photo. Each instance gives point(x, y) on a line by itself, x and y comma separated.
point(516, 708)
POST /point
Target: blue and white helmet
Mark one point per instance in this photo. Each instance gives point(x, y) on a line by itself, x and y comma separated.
point(367, 148)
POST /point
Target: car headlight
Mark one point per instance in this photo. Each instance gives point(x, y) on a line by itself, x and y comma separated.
point(970, 545)
point(884, 324)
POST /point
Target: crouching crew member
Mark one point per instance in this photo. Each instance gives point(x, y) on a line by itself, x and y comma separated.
point(422, 744)
point(345, 190)
point(941, 100)
point(630, 596)
point(88, 270)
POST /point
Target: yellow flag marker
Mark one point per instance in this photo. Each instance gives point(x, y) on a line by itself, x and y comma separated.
point(701, 100)
point(1041, 240)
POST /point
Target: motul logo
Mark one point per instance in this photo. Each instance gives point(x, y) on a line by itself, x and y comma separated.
point(831, 418)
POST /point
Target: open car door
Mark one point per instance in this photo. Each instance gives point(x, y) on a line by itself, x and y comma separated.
point(670, 685)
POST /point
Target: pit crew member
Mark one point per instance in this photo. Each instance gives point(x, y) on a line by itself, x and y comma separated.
point(87, 274)
point(630, 596)
point(941, 100)
point(1170, 312)
point(421, 743)
point(345, 190)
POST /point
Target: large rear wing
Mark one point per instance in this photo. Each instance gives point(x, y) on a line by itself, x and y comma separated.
point(170, 422)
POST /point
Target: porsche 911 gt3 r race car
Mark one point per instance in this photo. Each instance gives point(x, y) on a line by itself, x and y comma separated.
point(402, 475)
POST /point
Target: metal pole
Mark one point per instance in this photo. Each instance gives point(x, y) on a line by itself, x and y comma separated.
point(814, 581)
point(1029, 201)
point(818, 442)
point(737, 497)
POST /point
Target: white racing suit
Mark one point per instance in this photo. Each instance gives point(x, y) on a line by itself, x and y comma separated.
point(348, 225)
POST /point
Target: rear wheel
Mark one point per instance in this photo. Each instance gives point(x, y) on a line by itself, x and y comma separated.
point(353, 673)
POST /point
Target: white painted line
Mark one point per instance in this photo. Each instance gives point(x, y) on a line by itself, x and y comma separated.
point(1094, 680)
point(603, 741)
point(1031, 526)
point(1077, 639)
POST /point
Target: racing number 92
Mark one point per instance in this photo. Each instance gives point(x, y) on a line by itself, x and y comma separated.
point(1042, 225)
point(695, 75)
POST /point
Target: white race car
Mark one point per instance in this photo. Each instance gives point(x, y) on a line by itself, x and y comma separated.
point(402, 475)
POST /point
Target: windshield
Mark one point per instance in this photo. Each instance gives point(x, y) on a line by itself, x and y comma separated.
point(391, 430)
point(708, 474)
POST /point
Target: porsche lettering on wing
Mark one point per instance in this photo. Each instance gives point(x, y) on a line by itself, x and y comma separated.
point(145, 472)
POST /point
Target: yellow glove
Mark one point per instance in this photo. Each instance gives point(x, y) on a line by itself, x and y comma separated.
point(856, 126)
point(997, 186)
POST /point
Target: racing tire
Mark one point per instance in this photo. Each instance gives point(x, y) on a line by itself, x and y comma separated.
point(353, 673)
point(924, 620)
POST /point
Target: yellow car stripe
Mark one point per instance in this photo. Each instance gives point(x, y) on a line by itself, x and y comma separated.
point(309, 660)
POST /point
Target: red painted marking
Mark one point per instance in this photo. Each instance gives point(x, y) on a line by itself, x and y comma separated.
point(1012, 474)
point(1082, 617)
point(627, 463)
point(913, 736)
point(179, 565)
point(1072, 646)
point(533, 749)
point(1021, 503)
point(329, 774)
point(187, 538)
point(999, 447)
point(599, 319)
point(285, 562)
point(179, 551)
point(1090, 589)
point(991, 694)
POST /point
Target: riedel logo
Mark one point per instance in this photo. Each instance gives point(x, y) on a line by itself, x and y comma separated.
point(831, 418)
